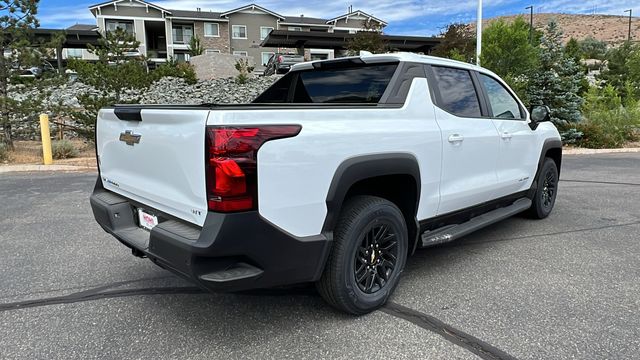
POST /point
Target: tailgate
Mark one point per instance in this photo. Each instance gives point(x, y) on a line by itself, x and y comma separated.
point(157, 161)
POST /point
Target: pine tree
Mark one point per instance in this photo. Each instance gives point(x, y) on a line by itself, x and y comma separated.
point(17, 19)
point(557, 80)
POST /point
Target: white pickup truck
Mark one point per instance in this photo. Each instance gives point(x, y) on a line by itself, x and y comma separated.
point(334, 175)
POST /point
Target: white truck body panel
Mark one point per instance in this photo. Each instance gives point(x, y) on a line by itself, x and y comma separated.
point(165, 170)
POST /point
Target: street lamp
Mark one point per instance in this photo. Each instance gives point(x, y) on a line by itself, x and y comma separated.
point(530, 23)
point(630, 11)
point(479, 33)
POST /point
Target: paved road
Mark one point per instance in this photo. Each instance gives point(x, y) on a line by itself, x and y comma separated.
point(565, 287)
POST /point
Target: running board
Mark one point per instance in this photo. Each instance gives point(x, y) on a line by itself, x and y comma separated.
point(452, 232)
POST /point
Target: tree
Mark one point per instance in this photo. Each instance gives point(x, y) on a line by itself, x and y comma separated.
point(368, 39)
point(17, 19)
point(623, 70)
point(557, 80)
point(506, 49)
point(593, 49)
point(572, 49)
point(118, 69)
point(458, 42)
point(195, 48)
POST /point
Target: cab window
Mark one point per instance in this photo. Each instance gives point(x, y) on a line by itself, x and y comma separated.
point(503, 104)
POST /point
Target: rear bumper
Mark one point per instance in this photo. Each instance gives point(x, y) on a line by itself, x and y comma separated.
point(231, 252)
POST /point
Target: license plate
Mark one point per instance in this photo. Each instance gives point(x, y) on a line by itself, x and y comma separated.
point(146, 220)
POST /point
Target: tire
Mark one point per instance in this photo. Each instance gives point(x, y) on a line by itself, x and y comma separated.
point(547, 189)
point(370, 233)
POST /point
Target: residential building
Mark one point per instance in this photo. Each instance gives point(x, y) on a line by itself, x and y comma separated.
point(166, 33)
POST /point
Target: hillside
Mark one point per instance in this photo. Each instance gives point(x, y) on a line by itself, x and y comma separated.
point(610, 28)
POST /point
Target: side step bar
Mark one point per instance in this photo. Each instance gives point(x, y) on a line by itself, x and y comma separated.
point(452, 232)
point(239, 271)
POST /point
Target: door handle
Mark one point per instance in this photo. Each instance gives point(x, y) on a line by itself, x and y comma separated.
point(505, 135)
point(456, 138)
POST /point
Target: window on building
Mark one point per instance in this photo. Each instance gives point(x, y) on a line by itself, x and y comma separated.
point(238, 31)
point(503, 104)
point(240, 53)
point(295, 28)
point(112, 25)
point(182, 34)
point(264, 31)
point(211, 29)
point(265, 57)
point(457, 93)
point(211, 51)
point(181, 57)
point(74, 53)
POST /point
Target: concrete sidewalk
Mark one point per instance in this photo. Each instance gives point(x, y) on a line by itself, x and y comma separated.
point(36, 167)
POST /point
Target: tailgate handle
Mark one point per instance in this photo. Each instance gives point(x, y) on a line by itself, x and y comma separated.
point(128, 113)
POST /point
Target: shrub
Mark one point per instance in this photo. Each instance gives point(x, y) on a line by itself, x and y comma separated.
point(175, 69)
point(63, 149)
point(4, 152)
point(244, 70)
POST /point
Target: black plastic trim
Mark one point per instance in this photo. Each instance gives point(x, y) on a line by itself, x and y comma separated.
point(128, 113)
point(224, 242)
point(546, 146)
point(464, 215)
point(365, 167)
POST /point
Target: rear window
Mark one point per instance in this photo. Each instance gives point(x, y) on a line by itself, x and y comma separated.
point(362, 84)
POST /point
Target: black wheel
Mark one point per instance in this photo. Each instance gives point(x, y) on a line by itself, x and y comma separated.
point(367, 257)
point(547, 189)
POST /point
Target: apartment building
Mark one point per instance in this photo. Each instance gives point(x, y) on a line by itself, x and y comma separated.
point(166, 33)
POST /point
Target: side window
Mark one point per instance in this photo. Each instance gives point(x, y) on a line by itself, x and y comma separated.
point(503, 104)
point(457, 93)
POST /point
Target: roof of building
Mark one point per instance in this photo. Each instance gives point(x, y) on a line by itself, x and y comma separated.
point(304, 20)
point(118, 1)
point(195, 14)
point(324, 40)
point(84, 27)
point(252, 7)
point(357, 13)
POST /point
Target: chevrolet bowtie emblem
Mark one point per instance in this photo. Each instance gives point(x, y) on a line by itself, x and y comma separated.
point(130, 138)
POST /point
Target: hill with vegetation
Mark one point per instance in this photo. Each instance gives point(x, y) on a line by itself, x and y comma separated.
point(611, 29)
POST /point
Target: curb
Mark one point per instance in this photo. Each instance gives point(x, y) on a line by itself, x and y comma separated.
point(35, 167)
point(580, 151)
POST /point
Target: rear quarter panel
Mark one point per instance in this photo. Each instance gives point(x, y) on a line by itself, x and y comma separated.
point(294, 174)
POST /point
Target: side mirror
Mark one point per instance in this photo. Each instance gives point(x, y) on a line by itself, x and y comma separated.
point(539, 113)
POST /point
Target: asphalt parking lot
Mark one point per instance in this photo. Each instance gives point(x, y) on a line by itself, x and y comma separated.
point(564, 287)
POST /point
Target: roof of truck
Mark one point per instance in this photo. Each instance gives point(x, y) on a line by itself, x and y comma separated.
point(400, 56)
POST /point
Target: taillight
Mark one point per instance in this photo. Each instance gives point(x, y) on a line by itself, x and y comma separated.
point(280, 58)
point(232, 154)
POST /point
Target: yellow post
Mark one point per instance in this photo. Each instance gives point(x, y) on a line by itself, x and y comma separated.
point(46, 139)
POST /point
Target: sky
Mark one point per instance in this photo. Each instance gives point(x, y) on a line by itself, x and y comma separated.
point(405, 17)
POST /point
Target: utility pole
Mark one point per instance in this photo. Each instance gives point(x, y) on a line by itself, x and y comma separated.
point(530, 24)
point(630, 11)
point(479, 33)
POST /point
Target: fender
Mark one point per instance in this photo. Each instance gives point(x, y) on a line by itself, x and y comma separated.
point(546, 146)
point(365, 167)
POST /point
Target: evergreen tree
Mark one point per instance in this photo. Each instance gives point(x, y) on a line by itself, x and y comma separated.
point(557, 80)
point(17, 19)
point(195, 48)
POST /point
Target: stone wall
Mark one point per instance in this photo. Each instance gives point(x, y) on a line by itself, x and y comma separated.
point(217, 66)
